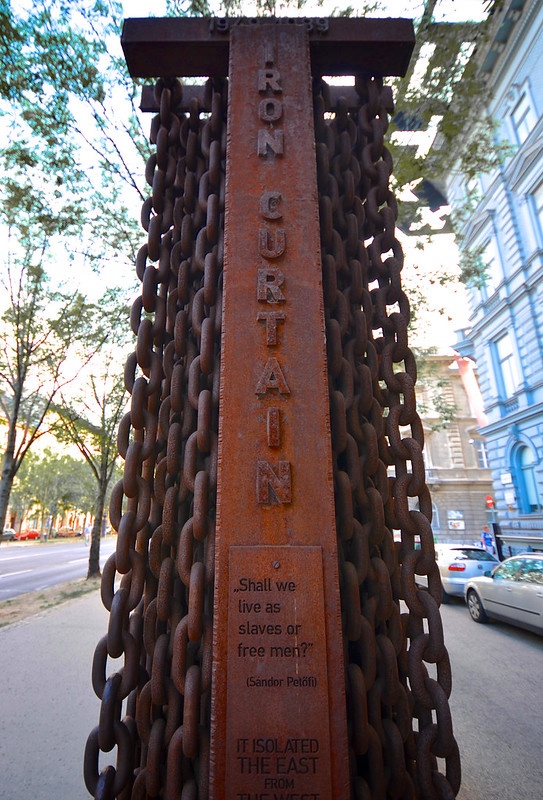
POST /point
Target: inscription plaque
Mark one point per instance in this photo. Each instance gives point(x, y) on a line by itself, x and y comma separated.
point(278, 737)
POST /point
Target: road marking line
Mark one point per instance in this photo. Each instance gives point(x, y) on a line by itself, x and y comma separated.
point(11, 558)
point(11, 574)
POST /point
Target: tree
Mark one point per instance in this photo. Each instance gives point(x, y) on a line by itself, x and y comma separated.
point(443, 94)
point(56, 38)
point(45, 336)
point(55, 206)
point(22, 494)
point(54, 484)
point(95, 435)
point(81, 125)
point(70, 107)
point(440, 99)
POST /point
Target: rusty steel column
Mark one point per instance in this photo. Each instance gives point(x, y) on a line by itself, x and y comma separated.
point(267, 634)
point(278, 703)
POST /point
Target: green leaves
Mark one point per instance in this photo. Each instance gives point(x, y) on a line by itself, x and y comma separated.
point(53, 484)
point(59, 99)
point(443, 89)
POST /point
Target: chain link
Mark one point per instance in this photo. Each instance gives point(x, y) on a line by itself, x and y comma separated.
point(155, 708)
point(158, 585)
point(399, 719)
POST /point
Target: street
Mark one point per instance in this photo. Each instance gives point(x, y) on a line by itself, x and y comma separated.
point(48, 707)
point(30, 566)
point(496, 703)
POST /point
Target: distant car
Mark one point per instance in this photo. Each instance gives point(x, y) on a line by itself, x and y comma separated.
point(8, 535)
point(459, 563)
point(66, 531)
point(513, 593)
point(21, 537)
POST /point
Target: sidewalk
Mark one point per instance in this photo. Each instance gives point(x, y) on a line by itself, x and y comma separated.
point(48, 708)
point(47, 705)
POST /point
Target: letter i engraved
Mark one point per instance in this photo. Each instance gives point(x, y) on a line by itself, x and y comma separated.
point(273, 427)
point(269, 55)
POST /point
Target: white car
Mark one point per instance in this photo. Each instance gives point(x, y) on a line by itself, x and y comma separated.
point(458, 563)
point(513, 593)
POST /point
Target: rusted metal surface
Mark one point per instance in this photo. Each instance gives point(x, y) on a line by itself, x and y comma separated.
point(276, 661)
point(399, 677)
point(275, 473)
point(148, 103)
point(199, 46)
point(155, 708)
point(153, 669)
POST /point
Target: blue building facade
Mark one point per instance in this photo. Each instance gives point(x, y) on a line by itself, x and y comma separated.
point(505, 226)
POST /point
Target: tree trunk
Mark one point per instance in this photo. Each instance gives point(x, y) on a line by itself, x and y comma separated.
point(8, 476)
point(9, 462)
point(94, 554)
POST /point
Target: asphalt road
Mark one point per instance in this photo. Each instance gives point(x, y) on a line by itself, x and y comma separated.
point(33, 566)
point(48, 707)
point(497, 706)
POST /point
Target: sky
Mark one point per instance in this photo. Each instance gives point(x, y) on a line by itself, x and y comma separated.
point(451, 10)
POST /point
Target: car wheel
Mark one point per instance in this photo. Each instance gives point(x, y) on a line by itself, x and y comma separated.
point(445, 598)
point(475, 607)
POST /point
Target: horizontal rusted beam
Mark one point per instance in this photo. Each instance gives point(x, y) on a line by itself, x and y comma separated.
point(198, 92)
point(159, 47)
point(190, 92)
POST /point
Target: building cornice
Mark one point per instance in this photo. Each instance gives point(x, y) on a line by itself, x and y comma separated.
point(505, 423)
point(513, 27)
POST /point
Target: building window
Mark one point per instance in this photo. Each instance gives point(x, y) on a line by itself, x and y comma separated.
point(523, 117)
point(437, 451)
point(435, 517)
point(524, 470)
point(480, 453)
point(537, 199)
point(507, 373)
point(493, 268)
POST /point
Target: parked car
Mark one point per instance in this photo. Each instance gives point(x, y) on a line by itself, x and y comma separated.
point(8, 535)
point(23, 535)
point(458, 563)
point(512, 593)
point(65, 531)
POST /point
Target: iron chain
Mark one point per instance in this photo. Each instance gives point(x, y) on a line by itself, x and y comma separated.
point(155, 708)
point(158, 585)
point(377, 443)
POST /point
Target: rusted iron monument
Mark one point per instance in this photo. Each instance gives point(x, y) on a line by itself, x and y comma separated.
point(274, 643)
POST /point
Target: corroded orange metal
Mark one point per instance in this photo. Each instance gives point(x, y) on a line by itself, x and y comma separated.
point(200, 45)
point(278, 720)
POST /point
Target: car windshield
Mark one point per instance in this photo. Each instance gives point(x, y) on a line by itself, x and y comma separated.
point(472, 554)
